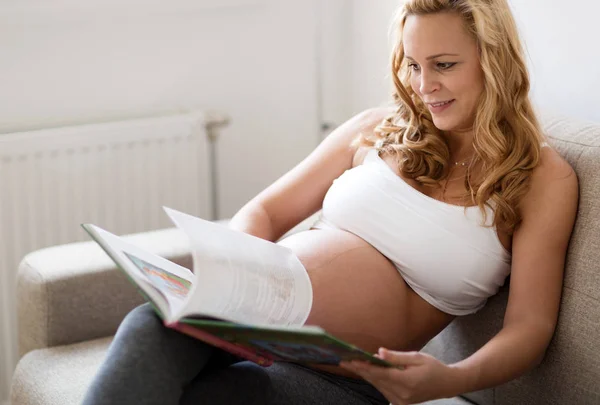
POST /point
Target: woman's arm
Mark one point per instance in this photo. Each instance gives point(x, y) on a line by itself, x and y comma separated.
point(299, 193)
point(539, 249)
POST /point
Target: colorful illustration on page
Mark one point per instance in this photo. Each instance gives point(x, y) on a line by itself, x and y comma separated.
point(162, 279)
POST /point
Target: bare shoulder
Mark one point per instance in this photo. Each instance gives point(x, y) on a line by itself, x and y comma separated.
point(366, 122)
point(553, 168)
point(553, 165)
point(372, 117)
point(553, 183)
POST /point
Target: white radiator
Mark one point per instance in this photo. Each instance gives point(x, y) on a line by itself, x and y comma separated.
point(117, 175)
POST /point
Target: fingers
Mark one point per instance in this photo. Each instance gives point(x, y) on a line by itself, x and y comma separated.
point(410, 381)
point(389, 381)
point(372, 372)
point(400, 358)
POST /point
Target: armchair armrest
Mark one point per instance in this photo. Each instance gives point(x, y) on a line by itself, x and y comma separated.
point(74, 292)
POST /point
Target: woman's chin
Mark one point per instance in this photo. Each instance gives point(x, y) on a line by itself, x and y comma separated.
point(447, 124)
point(443, 124)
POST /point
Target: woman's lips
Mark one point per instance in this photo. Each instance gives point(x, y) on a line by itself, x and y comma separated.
point(440, 106)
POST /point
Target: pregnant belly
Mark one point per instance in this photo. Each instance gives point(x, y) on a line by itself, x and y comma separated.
point(358, 295)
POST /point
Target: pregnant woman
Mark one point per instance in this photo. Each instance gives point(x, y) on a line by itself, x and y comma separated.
point(426, 208)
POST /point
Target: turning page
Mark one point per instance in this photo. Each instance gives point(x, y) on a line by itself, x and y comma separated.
point(242, 278)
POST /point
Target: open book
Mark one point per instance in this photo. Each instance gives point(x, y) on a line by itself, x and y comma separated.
point(246, 295)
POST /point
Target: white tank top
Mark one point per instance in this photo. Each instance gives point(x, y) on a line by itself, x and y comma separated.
point(440, 249)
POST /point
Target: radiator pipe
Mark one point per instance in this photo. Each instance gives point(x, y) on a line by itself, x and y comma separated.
point(214, 121)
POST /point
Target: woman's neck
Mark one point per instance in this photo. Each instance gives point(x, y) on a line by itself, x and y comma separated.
point(460, 144)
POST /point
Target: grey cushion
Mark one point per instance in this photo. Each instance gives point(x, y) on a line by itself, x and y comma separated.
point(72, 293)
point(571, 370)
point(59, 375)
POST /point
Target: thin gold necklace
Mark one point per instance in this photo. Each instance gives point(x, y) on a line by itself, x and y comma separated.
point(463, 163)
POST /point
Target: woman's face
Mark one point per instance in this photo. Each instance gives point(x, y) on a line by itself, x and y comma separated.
point(443, 61)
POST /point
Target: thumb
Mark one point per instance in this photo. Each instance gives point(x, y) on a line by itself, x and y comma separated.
point(400, 358)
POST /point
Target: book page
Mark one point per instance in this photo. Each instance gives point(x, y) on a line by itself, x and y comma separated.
point(243, 278)
point(150, 272)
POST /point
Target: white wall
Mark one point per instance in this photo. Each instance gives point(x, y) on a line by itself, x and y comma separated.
point(370, 47)
point(561, 39)
point(335, 61)
point(354, 55)
point(63, 62)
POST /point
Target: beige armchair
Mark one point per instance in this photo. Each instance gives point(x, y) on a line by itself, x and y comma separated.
point(71, 300)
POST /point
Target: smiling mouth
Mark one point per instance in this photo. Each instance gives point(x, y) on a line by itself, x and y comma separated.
point(441, 103)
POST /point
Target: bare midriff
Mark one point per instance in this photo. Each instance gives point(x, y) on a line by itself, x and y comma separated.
point(359, 295)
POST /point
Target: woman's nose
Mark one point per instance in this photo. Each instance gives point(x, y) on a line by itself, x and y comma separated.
point(429, 83)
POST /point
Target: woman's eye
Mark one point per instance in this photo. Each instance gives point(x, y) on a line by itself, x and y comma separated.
point(445, 65)
point(413, 66)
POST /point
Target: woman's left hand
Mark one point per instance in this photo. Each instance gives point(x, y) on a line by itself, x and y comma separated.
point(420, 378)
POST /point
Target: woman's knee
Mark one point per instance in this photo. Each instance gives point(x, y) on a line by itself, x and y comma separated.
point(142, 331)
point(140, 323)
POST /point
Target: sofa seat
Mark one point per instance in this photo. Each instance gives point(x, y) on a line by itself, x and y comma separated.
point(45, 376)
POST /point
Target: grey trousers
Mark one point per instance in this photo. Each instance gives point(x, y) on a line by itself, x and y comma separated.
point(149, 364)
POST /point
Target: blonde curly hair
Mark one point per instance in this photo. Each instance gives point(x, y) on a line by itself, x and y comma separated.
point(507, 137)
